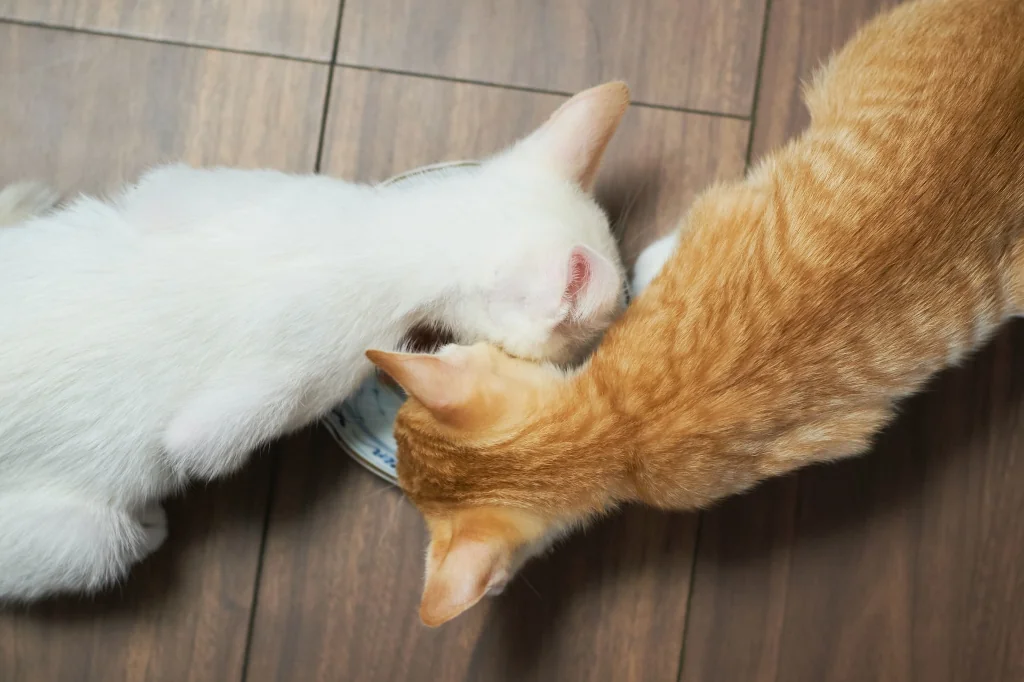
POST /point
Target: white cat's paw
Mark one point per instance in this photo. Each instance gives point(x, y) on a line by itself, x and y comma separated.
point(25, 200)
point(154, 523)
point(650, 262)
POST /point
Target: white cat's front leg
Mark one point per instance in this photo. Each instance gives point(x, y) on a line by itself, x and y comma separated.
point(52, 543)
point(651, 260)
point(218, 428)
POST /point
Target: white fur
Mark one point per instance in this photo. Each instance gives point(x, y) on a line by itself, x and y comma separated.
point(161, 336)
point(651, 261)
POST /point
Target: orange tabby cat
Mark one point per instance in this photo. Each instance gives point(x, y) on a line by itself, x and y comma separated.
point(799, 307)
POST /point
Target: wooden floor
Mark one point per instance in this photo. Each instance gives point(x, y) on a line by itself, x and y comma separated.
point(899, 566)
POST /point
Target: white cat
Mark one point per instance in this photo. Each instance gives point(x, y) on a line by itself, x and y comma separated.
point(160, 336)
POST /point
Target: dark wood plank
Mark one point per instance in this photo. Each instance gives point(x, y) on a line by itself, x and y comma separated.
point(343, 564)
point(85, 112)
point(914, 553)
point(89, 112)
point(699, 54)
point(740, 577)
point(181, 615)
point(297, 28)
point(900, 565)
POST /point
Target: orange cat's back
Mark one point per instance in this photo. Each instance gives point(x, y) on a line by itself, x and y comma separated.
point(924, 108)
point(879, 246)
point(916, 122)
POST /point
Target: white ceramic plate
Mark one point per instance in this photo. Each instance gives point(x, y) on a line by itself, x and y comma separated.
point(363, 424)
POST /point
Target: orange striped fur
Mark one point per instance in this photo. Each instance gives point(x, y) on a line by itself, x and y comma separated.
point(801, 305)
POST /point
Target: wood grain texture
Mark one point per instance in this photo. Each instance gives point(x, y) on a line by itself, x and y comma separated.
point(907, 564)
point(902, 564)
point(343, 562)
point(86, 111)
point(181, 615)
point(90, 112)
point(800, 36)
point(698, 54)
point(296, 28)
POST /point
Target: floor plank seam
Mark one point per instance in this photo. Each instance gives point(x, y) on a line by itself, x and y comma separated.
point(327, 90)
point(689, 596)
point(251, 626)
point(757, 81)
point(531, 89)
point(171, 42)
point(359, 67)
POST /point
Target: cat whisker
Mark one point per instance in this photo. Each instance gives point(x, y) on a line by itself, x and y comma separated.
point(532, 588)
point(622, 220)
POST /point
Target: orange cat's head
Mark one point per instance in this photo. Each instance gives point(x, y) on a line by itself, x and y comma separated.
point(471, 458)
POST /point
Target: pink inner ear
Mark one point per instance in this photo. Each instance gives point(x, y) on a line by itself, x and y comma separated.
point(459, 580)
point(579, 276)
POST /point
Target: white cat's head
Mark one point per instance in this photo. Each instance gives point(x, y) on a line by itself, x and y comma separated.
point(546, 278)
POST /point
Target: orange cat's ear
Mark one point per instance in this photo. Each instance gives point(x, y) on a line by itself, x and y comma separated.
point(576, 135)
point(458, 576)
point(440, 382)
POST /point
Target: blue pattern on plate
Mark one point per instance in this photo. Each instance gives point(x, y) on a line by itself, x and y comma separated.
point(364, 424)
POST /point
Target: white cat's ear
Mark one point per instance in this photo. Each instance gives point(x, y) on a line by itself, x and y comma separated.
point(592, 282)
point(440, 382)
point(458, 576)
point(574, 139)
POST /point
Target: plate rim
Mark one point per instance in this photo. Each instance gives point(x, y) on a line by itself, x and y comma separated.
point(330, 422)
